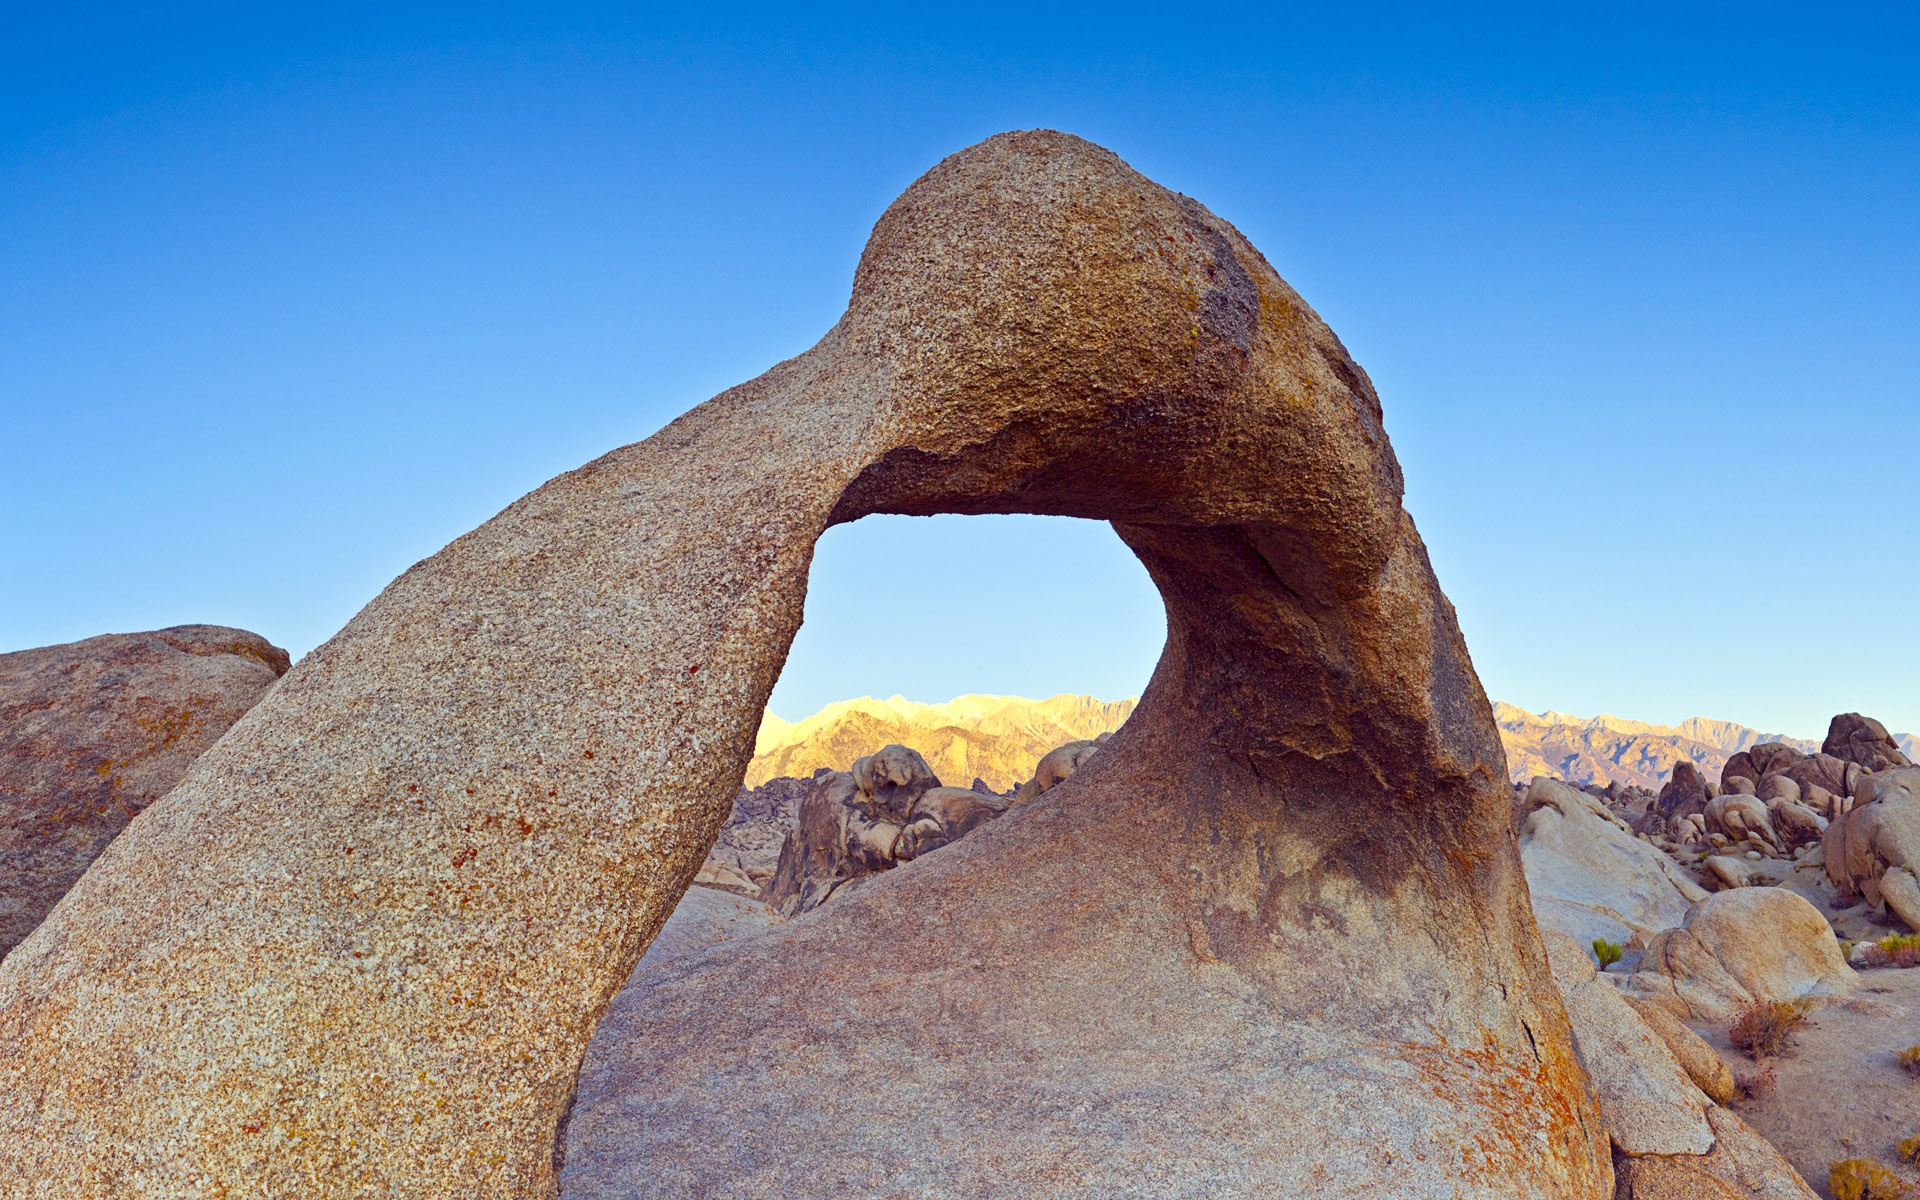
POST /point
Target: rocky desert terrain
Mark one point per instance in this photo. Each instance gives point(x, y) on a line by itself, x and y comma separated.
point(513, 887)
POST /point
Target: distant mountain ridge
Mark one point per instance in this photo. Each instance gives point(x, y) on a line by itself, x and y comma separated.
point(995, 738)
point(1608, 749)
point(1000, 738)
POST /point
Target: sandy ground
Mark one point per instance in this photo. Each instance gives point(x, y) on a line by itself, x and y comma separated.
point(1840, 1093)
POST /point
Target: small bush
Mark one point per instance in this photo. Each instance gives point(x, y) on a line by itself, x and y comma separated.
point(1754, 1085)
point(1900, 950)
point(1864, 1179)
point(1909, 1150)
point(1607, 952)
point(1910, 1059)
point(1764, 1030)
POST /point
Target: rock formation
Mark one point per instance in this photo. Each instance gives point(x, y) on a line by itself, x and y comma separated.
point(1055, 767)
point(93, 732)
point(1273, 939)
point(1873, 850)
point(1741, 818)
point(1590, 876)
point(1653, 1079)
point(1684, 794)
point(889, 809)
point(1863, 740)
point(1739, 947)
point(747, 851)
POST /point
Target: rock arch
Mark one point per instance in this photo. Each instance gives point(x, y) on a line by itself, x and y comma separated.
point(360, 948)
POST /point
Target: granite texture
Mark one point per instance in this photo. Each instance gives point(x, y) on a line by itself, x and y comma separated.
point(92, 732)
point(360, 949)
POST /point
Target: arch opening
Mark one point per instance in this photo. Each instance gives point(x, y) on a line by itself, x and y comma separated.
point(1284, 887)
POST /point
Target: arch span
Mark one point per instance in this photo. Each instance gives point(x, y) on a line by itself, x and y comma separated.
point(359, 950)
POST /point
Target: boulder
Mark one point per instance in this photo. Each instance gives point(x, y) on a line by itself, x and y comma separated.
point(942, 815)
point(93, 732)
point(1822, 771)
point(889, 781)
point(1659, 1086)
point(1865, 741)
point(1739, 765)
point(1795, 823)
point(1054, 768)
point(1778, 787)
point(1700, 1061)
point(1592, 878)
point(1742, 1166)
point(818, 856)
point(1647, 1102)
point(1730, 872)
point(1873, 845)
point(1272, 940)
point(1740, 947)
point(1742, 818)
point(1771, 757)
point(890, 808)
point(1684, 793)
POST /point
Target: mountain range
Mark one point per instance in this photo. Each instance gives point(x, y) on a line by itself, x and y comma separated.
point(999, 738)
point(995, 738)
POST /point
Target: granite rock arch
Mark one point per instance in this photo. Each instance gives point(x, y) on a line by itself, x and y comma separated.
point(360, 948)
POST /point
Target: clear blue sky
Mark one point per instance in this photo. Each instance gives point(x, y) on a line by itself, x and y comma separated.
point(291, 300)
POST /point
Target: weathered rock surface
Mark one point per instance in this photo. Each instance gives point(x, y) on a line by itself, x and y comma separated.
point(1273, 939)
point(1684, 793)
point(1742, 1166)
point(1873, 849)
point(1647, 1101)
point(1752, 944)
point(92, 732)
point(1590, 876)
point(1671, 1139)
point(747, 851)
point(704, 917)
point(1055, 767)
point(1863, 740)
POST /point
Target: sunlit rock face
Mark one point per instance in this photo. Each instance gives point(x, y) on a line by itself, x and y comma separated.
point(991, 738)
point(92, 732)
point(1273, 939)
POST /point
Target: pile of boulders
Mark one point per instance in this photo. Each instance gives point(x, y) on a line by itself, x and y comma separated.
point(889, 808)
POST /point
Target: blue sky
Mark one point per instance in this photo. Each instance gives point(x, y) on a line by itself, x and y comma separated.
point(293, 299)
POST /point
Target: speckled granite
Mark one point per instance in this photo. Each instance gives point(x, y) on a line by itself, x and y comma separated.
point(91, 732)
point(359, 950)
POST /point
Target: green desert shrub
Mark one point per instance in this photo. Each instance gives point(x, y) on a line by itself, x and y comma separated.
point(1607, 952)
point(1910, 1059)
point(1900, 950)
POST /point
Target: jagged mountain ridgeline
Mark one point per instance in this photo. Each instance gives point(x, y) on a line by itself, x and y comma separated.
point(998, 739)
point(992, 738)
point(1607, 749)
